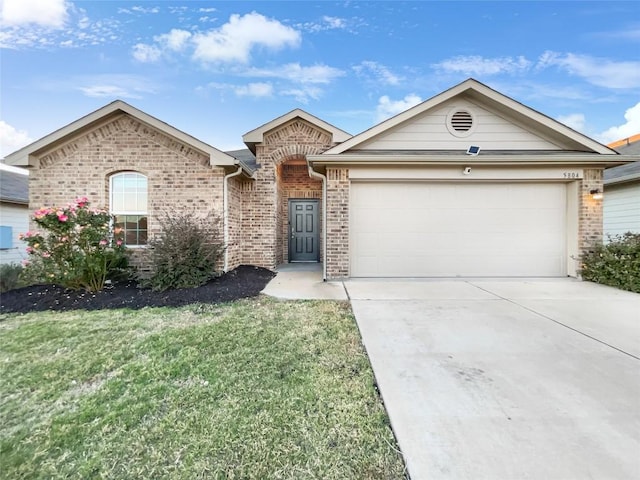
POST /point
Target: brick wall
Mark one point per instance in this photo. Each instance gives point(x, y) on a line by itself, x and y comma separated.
point(179, 177)
point(338, 223)
point(282, 175)
point(590, 211)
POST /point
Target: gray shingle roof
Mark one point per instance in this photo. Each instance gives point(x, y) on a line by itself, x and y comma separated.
point(245, 156)
point(628, 172)
point(14, 187)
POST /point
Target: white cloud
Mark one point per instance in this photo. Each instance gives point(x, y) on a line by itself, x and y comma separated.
point(255, 90)
point(326, 23)
point(235, 40)
point(12, 139)
point(381, 73)
point(47, 13)
point(629, 128)
point(294, 72)
point(597, 71)
point(477, 65)
point(573, 120)
point(140, 9)
point(175, 40)
point(388, 108)
point(207, 10)
point(146, 53)
point(114, 86)
point(303, 94)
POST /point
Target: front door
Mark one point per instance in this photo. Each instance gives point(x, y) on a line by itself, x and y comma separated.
point(303, 231)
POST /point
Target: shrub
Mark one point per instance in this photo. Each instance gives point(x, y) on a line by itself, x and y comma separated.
point(76, 249)
point(188, 251)
point(616, 264)
point(10, 276)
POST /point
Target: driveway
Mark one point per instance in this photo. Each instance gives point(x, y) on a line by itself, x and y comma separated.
point(506, 379)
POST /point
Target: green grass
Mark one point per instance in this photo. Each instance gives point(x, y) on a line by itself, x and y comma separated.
point(257, 389)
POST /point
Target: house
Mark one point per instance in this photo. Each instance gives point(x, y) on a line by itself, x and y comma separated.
point(622, 190)
point(14, 213)
point(467, 183)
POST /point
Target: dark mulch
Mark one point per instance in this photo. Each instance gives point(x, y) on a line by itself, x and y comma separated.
point(245, 281)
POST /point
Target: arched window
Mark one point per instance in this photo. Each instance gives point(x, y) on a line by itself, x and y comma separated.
point(128, 199)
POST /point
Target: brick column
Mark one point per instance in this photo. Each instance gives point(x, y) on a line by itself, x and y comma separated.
point(590, 211)
point(337, 223)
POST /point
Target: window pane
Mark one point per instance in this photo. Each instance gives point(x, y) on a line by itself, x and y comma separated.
point(142, 223)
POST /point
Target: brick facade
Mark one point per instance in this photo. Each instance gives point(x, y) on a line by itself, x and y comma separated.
point(590, 211)
point(282, 175)
point(179, 177)
point(338, 223)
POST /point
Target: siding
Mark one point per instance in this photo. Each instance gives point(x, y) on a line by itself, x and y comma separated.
point(429, 132)
point(622, 209)
point(16, 216)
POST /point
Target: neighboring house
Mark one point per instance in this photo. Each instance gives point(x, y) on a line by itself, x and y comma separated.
point(14, 213)
point(622, 190)
point(467, 183)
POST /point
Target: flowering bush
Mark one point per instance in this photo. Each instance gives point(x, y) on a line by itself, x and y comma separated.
point(78, 248)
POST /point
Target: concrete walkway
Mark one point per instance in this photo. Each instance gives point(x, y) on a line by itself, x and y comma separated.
point(506, 379)
point(303, 281)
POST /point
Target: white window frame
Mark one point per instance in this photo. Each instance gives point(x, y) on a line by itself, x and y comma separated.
point(143, 213)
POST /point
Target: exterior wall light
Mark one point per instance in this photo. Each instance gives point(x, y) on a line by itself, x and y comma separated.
point(596, 194)
point(466, 171)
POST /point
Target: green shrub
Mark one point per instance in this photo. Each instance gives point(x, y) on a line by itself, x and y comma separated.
point(10, 276)
point(187, 253)
point(616, 264)
point(76, 248)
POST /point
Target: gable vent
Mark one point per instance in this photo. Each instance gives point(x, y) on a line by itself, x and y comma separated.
point(461, 121)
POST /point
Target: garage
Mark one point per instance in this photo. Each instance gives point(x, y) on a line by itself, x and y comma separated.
point(451, 229)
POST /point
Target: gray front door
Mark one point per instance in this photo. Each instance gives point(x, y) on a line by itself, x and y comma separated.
point(303, 231)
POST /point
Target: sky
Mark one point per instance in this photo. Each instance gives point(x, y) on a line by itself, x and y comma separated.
point(217, 70)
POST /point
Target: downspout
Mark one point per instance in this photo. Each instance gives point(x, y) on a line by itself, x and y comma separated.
point(314, 174)
point(225, 200)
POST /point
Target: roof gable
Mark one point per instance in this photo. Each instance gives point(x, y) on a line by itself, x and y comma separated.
point(255, 136)
point(26, 155)
point(528, 128)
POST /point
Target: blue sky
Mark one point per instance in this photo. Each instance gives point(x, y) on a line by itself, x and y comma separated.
point(219, 69)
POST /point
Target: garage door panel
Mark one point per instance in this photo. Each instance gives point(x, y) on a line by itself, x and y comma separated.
point(447, 229)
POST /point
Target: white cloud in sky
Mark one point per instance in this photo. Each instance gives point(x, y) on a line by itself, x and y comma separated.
point(388, 108)
point(380, 72)
point(12, 139)
point(175, 40)
point(629, 128)
point(114, 86)
point(236, 39)
point(294, 72)
point(257, 90)
point(47, 13)
point(303, 94)
point(107, 91)
point(597, 71)
point(573, 120)
point(146, 53)
point(478, 65)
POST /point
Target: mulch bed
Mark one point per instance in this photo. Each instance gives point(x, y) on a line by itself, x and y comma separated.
point(243, 282)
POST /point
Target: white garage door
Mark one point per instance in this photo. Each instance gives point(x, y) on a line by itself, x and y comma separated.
point(455, 229)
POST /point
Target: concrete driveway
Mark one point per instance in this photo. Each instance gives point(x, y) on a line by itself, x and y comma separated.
point(506, 379)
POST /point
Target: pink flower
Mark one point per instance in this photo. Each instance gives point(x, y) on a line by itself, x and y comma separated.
point(103, 242)
point(25, 263)
point(119, 242)
point(46, 254)
point(29, 250)
point(62, 217)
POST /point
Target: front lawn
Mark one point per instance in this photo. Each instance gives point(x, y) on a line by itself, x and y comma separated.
point(255, 389)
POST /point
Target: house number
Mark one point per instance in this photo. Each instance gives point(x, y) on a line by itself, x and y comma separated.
point(571, 175)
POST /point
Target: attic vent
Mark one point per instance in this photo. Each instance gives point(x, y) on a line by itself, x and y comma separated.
point(461, 121)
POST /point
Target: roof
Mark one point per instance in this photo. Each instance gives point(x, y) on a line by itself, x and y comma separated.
point(629, 172)
point(245, 156)
point(256, 135)
point(26, 155)
point(560, 133)
point(14, 187)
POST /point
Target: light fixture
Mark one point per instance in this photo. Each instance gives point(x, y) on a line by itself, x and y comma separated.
point(466, 171)
point(596, 194)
